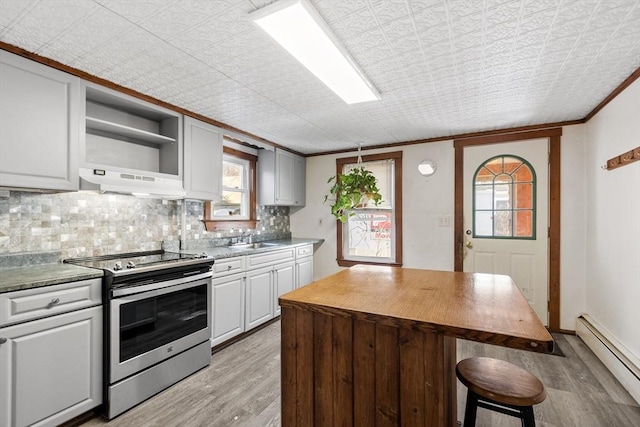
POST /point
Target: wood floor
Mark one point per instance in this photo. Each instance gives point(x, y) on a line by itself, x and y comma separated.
point(241, 387)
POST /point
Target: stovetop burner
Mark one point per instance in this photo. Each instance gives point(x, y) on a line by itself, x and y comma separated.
point(134, 262)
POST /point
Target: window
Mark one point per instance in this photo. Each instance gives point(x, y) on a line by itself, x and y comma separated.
point(373, 234)
point(237, 206)
point(504, 204)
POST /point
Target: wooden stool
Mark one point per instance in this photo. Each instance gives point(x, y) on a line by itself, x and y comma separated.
point(499, 386)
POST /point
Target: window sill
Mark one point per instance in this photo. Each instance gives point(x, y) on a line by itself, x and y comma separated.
point(210, 225)
point(350, 263)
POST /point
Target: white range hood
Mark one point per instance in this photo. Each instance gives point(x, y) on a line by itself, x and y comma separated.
point(106, 181)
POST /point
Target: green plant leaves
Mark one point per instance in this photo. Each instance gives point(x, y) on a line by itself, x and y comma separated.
point(348, 190)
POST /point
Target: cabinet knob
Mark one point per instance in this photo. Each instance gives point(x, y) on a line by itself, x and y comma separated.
point(228, 267)
point(54, 301)
point(3, 340)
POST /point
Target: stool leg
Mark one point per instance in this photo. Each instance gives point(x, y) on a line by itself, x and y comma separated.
point(471, 409)
point(527, 417)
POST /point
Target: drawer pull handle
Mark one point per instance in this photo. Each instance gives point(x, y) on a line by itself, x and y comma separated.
point(3, 340)
point(228, 267)
point(54, 301)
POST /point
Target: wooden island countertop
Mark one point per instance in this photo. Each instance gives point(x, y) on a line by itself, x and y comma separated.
point(375, 345)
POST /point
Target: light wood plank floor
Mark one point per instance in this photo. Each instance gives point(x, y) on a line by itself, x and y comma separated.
point(241, 387)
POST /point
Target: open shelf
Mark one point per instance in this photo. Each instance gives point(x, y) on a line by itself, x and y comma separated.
point(127, 131)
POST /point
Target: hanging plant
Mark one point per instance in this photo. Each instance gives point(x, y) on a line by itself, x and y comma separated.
point(352, 190)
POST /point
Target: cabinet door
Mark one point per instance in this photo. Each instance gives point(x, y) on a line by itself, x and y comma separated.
point(304, 271)
point(259, 299)
point(39, 125)
point(284, 280)
point(202, 160)
point(228, 308)
point(51, 369)
point(284, 178)
point(299, 181)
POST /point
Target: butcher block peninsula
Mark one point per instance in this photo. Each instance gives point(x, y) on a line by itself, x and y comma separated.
point(375, 345)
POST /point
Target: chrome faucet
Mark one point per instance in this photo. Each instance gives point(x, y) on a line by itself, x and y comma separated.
point(246, 238)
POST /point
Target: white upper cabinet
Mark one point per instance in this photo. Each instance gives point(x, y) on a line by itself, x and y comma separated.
point(299, 180)
point(281, 178)
point(39, 125)
point(202, 160)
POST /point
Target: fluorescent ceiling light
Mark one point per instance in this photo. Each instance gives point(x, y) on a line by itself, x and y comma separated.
point(297, 26)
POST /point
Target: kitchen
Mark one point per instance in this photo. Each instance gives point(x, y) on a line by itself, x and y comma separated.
point(598, 249)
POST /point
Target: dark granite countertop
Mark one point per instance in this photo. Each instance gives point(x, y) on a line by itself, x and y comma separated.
point(33, 276)
point(26, 276)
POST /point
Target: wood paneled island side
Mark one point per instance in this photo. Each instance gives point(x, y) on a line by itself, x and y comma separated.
point(376, 346)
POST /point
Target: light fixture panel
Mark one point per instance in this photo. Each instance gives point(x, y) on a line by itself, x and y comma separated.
point(298, 27)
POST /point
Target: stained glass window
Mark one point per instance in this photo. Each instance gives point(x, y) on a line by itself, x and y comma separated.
point(504, 199)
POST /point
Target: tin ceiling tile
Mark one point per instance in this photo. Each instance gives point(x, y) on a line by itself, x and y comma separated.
point(442, 66)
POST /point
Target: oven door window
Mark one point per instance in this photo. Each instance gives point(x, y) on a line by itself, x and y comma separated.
point(152, 322)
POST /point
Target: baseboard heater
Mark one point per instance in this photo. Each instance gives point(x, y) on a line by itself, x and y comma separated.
point(623, 365)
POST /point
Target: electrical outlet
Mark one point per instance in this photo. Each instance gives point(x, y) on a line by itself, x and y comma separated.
point(444, 221)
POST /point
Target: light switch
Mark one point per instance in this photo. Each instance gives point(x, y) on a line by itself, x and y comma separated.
point(444, 221)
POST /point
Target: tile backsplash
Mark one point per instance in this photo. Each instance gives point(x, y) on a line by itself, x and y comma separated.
point(87, 224)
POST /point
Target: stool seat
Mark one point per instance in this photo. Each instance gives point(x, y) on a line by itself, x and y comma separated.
point(500, 381)
point(499, 386)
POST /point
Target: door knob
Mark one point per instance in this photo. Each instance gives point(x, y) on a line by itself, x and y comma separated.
point(468, 244)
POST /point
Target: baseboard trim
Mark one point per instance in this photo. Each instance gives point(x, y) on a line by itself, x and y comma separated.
point(613, 354)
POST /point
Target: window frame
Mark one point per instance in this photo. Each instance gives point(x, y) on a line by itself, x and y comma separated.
point(534, 201)
point(396, 156)
point(213, 224)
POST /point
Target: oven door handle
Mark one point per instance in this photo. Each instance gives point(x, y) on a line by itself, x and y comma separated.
point(121, 292)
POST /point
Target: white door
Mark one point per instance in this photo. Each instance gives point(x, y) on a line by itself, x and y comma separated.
point(284, 281)
point(258, 297)
point(228, 308)
point(51, 369)
point(506, 215)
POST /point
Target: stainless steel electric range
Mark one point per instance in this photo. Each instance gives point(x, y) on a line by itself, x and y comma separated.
point(157, 322)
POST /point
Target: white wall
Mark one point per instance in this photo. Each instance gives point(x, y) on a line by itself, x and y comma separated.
point(424, 200)
point(613, 220)
point(427, 199)
point(573, 223)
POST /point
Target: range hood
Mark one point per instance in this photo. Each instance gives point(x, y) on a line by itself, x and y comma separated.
point(106, 181)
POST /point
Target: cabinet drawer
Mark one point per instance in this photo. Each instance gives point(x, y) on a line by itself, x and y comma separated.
point(21, 306)
point(228, 266)
point(270, 258)
point(304, 251)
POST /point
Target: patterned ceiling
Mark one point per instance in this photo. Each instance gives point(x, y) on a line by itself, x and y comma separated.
point(443, 67)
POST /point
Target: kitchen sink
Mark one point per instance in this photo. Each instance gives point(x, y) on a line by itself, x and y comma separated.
point(256, 245)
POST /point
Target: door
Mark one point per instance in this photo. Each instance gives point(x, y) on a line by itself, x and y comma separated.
point(202, 160)
point(506, 215)
point(51, 369)
point(39, 125)
point(228, 308)
point(149, 327)
point(258, 303)
point(284, 280)
point(304, 271)
point(284, 178)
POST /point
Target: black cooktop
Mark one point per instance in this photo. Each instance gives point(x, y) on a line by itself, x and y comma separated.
point(137, 261)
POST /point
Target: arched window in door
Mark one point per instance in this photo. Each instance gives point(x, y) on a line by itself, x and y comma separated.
point(504, 199)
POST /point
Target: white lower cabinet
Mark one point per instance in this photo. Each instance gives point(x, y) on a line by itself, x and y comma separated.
point(284, 280)
point(228, 308)
point(51, 368)
point(246, 288)
point(259, 297)
point(304, 271)
point(304, 265)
